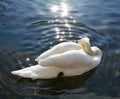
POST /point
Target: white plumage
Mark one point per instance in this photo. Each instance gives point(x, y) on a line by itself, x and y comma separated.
point(67, 57)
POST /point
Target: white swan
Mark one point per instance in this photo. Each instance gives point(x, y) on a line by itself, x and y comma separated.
point(68, 58)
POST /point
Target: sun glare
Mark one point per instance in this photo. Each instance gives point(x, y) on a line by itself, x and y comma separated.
point(62, 9)
point(54, 8)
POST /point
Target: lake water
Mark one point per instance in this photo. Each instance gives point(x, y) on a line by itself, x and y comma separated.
point(30, 27)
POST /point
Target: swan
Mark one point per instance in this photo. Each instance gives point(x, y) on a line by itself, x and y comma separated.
point(64, 59)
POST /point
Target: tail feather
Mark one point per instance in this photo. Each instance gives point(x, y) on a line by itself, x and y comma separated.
point(15, 72)
point(27, 74)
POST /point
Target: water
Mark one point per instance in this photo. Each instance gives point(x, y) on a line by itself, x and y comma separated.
point(30, 27)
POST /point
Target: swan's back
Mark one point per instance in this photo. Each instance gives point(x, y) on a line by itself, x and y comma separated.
point(60, 48)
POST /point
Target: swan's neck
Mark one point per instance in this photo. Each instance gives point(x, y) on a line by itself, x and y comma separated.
point(87, 49)
point(93, 51)
point(86, 46)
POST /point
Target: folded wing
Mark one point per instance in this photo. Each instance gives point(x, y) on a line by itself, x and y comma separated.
point(60, 48)
point(69, 59)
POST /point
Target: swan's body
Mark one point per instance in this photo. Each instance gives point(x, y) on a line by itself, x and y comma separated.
point(68, 57)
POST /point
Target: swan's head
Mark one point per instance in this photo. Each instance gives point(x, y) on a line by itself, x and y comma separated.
point(85, 43)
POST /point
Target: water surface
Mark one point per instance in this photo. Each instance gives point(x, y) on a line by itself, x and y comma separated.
point(30, 27)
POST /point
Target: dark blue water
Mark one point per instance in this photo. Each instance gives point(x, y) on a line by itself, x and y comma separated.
point(30, 27)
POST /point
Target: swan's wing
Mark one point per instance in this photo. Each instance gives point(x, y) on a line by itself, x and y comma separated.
point(60, 48)
point(73, 58)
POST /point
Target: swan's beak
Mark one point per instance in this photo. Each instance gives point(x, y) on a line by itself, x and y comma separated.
point(82, 41)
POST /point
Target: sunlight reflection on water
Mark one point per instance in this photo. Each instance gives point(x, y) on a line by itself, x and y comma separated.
point(61, 10)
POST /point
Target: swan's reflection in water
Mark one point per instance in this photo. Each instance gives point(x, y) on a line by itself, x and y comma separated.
point(56, 86)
